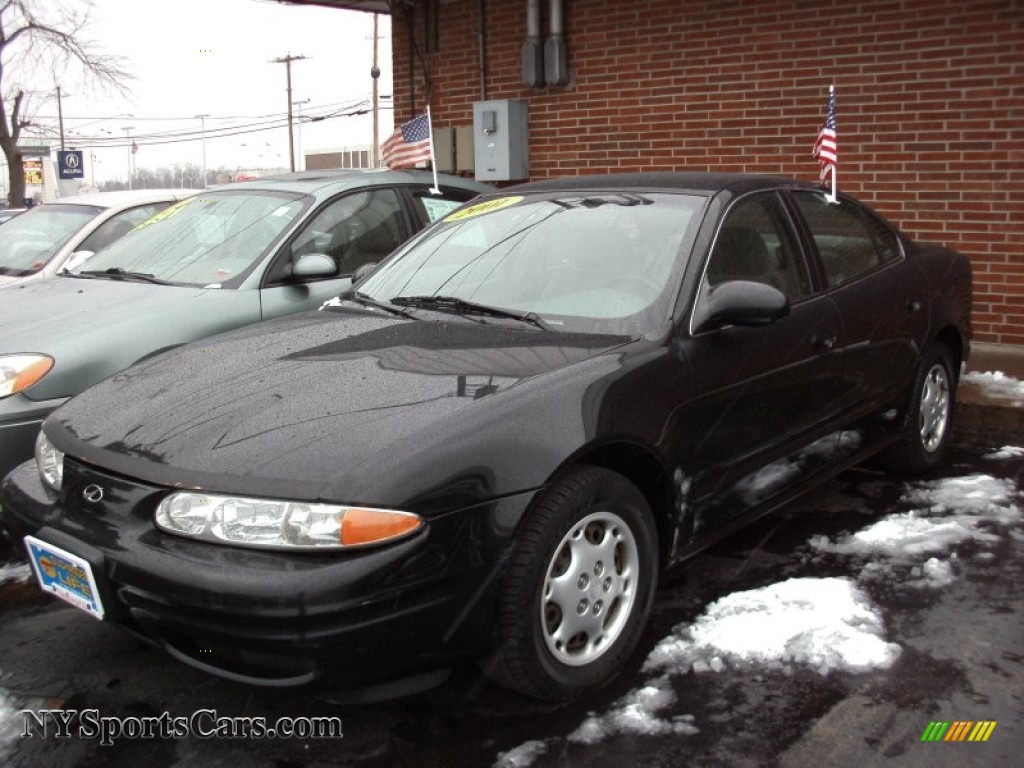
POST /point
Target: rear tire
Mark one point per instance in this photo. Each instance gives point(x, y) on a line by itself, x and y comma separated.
point(929, 427)
point(578, 589)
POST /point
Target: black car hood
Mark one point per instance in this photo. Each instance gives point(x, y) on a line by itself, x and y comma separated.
point(339, 405)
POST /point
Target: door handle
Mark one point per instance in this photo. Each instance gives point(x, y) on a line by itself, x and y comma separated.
point(823, 341)
point(913, 305)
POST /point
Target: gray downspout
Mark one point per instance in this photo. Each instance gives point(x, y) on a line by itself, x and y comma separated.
point(556, 55)
point(533, 50)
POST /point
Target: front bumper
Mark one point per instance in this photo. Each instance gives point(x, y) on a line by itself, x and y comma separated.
point(274, 619)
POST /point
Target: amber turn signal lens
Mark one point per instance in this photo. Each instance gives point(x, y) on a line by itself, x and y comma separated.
point(371, 526)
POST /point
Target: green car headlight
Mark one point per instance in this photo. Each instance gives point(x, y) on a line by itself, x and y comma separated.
point(19, 372)
point(275, 524)
point(50, 463)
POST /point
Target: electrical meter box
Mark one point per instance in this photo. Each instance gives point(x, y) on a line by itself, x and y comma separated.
point(501, 140)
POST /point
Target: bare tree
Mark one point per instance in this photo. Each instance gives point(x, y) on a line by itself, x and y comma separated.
point(41, 35)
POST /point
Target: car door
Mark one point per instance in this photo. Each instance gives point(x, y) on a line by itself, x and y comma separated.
point(881, 301)
point(356, 228)
point(763, 393)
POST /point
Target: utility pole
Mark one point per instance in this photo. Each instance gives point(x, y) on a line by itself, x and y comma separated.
point(375, 74)
point(287, 61)
point(300, 163)
point(60, 119)
point(128, 138)
point(202, 119)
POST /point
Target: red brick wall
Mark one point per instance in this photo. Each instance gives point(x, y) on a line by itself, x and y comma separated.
point(930, 105)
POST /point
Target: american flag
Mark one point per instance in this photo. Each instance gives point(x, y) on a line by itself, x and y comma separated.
point(825, 148)
point(409, 144)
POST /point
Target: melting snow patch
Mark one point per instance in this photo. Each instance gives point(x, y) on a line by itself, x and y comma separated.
point(954, 511)
point(522, 756)
point(934, 573)
point(15, 572)
point(989, 496)
point(636, 712)
point(828, 624)
point(901, 535)
point(998, 384)
point(1006, 452)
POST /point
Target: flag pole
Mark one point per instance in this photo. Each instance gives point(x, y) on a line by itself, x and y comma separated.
point(835, 166)
point(435, 190)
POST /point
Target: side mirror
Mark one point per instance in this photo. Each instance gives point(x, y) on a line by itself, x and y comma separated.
point(314, 265)
point(363, 270)
point(741, 302)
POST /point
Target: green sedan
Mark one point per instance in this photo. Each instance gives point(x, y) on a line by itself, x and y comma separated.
point(223, 259)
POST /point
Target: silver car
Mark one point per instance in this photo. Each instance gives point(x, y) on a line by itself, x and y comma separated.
point(38, 243)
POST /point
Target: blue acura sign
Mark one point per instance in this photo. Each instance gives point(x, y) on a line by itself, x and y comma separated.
point(70, 164)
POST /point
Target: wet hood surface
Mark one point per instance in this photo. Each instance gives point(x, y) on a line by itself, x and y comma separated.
point(317, 405)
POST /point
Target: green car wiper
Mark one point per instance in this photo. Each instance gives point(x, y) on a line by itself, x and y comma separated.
point(455, 304)
point(119, 273)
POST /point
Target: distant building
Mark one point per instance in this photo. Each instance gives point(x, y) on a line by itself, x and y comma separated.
point(348, 157)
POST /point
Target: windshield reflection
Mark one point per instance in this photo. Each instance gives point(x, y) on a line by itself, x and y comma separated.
point(212, 239)
point(31, 239)
point(598, 264)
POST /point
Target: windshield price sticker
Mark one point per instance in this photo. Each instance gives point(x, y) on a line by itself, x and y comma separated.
point(488, 206)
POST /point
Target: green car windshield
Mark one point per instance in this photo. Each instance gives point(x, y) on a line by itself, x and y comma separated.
point(30, 240)
point(591, 263)
point(212, 239)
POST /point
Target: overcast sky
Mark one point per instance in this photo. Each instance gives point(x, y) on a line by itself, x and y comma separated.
point(192, 57)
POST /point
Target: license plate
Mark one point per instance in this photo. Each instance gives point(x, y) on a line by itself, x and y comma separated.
point(64, 575)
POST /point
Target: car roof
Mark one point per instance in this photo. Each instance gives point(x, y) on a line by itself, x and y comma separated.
point(335, 180)
point(680, 181)
point(125, 197)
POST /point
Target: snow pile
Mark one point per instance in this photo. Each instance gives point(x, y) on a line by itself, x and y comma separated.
point(15, 572)
point(636, 713)
point(997, 384)
point(974, 497)
point(522, 756)
point(1006, 452)
point(950, 511)
point(828, 624)
point(9, 724)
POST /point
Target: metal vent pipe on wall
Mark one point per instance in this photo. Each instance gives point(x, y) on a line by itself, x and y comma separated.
point(556, 55)
point(533, 49)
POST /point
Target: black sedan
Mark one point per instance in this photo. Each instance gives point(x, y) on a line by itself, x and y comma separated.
point(493, 447)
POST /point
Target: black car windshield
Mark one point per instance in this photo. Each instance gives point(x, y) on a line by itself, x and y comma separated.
point(30, 240)
point(583, 262)
point(211, 239)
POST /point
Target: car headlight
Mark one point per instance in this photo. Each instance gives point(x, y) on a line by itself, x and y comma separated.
point(272, 524)
point(19, 372)
point(50, 462)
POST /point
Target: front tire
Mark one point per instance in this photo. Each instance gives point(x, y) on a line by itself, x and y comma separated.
point(929, 428)
point(578, 589)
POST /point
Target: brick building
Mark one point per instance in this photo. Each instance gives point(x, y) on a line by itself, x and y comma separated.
point(930, 102)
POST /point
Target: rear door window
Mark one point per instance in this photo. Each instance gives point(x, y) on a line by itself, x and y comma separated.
point(848, 246)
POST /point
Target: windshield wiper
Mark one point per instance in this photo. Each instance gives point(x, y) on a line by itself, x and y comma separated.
point(119, 273)
point(368, 301)
point(455, 304)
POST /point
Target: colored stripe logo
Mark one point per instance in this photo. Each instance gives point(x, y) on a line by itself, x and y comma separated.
point(958, 730)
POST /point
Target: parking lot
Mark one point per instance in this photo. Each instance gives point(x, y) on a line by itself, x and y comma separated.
point(938, 563)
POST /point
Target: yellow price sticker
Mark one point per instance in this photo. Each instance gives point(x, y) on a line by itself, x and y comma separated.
point(488, 206)
point(166, 213)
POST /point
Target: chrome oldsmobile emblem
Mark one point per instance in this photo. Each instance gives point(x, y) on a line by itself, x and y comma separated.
point(92, 493)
